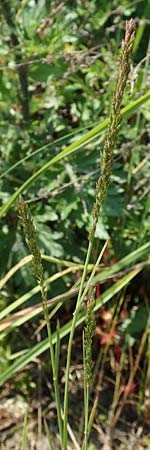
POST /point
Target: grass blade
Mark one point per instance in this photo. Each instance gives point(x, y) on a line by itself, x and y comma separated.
point(41, 347)
point(134, 256)
point(45, 147)
point(88, 137)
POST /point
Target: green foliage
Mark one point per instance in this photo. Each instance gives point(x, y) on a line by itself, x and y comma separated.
point(135, 323)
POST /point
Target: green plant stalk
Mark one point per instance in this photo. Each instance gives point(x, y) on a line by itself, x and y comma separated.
point(72, 148)
point(57, 347)
point(25, 430)
point(89, 282)
point(86, 410)
point(53, 361)
point(102, 186)
point(84, 379)
point(86, 434)
point(80, 299)
point(37, 268)
point(75, 315)
point(86, 397)
point(81, 296)
point(86, 401)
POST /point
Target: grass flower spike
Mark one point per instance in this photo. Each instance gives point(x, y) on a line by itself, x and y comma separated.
point(30, 235)
point(89, 332)
point(37, 267)
point(114, 124)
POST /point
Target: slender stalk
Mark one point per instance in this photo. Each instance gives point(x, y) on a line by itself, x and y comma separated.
point(86, 400)
point(53, 362)
point(101, 188)
point(57, 347)
point(80, 299)
point(37, 268)
point(86, 417)
point(84, 373)
point(75, 315)
point(25, 431)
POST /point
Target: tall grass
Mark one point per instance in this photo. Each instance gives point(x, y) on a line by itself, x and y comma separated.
point(106, 165)
point(101, 188)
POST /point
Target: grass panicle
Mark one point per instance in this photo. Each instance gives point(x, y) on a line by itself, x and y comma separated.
point(30, 235)
point(87, 357)
point(88, 333)
point(37, 267)
point(114, 124)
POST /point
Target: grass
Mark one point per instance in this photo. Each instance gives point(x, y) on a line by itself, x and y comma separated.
point(83, 289)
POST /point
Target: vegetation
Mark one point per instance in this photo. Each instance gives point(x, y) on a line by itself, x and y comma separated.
point(82, 167)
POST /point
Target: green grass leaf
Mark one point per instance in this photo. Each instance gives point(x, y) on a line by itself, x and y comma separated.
point(88, 137)
point(40, 348)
